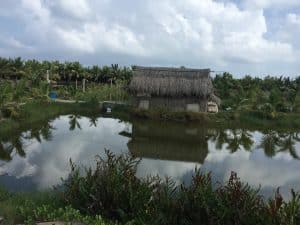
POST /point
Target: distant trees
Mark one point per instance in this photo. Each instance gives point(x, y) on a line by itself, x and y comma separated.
point(68, 71)
point(280, 94)
point(270, 94)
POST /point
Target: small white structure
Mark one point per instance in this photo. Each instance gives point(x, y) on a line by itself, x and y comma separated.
point(212, 107)
point(108, 110)
point(47, 77)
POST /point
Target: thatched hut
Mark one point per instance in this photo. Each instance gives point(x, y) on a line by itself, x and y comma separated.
point(177, 89)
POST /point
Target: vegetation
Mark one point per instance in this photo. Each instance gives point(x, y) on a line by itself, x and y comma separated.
point(29, 208)
point(246, 98)
point(232, 119)
point(36, 117)
point(112, 191)
point(23, 81)
point(269, 95)
point(35, 71)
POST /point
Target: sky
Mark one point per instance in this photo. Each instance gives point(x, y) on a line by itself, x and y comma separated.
point(255, 37)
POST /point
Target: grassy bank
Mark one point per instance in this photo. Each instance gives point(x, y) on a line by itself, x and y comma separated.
point(35, 112)
point(237, 119)
point(113, 192)
point(30, 208)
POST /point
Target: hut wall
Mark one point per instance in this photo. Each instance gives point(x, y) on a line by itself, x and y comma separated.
point(172, 103)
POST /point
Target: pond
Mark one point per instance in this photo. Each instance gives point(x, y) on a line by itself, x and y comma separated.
point(38, 157)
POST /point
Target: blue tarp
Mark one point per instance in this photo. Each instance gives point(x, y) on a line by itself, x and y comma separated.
point(53, 95)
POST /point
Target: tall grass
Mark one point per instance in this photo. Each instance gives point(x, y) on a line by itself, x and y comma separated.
point(103, 92)
point(114, 191)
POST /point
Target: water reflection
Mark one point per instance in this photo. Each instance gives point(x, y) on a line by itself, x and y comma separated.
point(37, 157)
point(47, 160)
point(74, 122)
point(234, 139)
point(274, 142)
point(167, 141)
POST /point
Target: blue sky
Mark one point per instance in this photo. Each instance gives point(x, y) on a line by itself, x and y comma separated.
point(257, 37)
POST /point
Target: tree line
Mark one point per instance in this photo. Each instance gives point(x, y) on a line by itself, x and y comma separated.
point(269, 94)
point(16, 68)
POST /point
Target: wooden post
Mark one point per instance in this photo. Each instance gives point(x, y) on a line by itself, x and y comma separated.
point(47, 77)
point(110, 89)
point(83, 85)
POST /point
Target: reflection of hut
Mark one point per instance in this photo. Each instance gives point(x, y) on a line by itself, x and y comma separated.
point(168, 142)
point(177, 89)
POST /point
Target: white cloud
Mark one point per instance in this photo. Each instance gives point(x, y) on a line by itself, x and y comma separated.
point(293, 19)
point(79, 8)
point(278, 4)
point(192, 33)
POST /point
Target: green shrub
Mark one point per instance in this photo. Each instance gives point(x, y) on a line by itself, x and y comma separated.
point(114, 191)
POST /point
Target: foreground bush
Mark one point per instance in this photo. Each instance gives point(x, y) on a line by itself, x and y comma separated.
point(29, 208)
point(113, 191)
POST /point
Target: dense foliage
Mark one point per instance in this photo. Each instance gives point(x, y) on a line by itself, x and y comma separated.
point(30, 208)
point(270, 95)
point(114, 191)
point(65, 72)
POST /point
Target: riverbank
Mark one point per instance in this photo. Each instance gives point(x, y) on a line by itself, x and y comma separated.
point(233, 119)
point(36, 111)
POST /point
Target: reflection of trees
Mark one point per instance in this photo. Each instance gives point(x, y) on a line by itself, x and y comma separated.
point(15, 141)
point(41, 131)
point(5, 152)
point(235, 139)
point(74, 121)
point(274, 142)
point(46, 131)
point(7, 146)
point(269, 142)
point(17, 144)
point(93, 120)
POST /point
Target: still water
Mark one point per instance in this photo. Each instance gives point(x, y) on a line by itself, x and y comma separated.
point(37, 158)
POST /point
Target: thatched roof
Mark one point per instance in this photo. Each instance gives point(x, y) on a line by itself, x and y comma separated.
point(164, 81)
